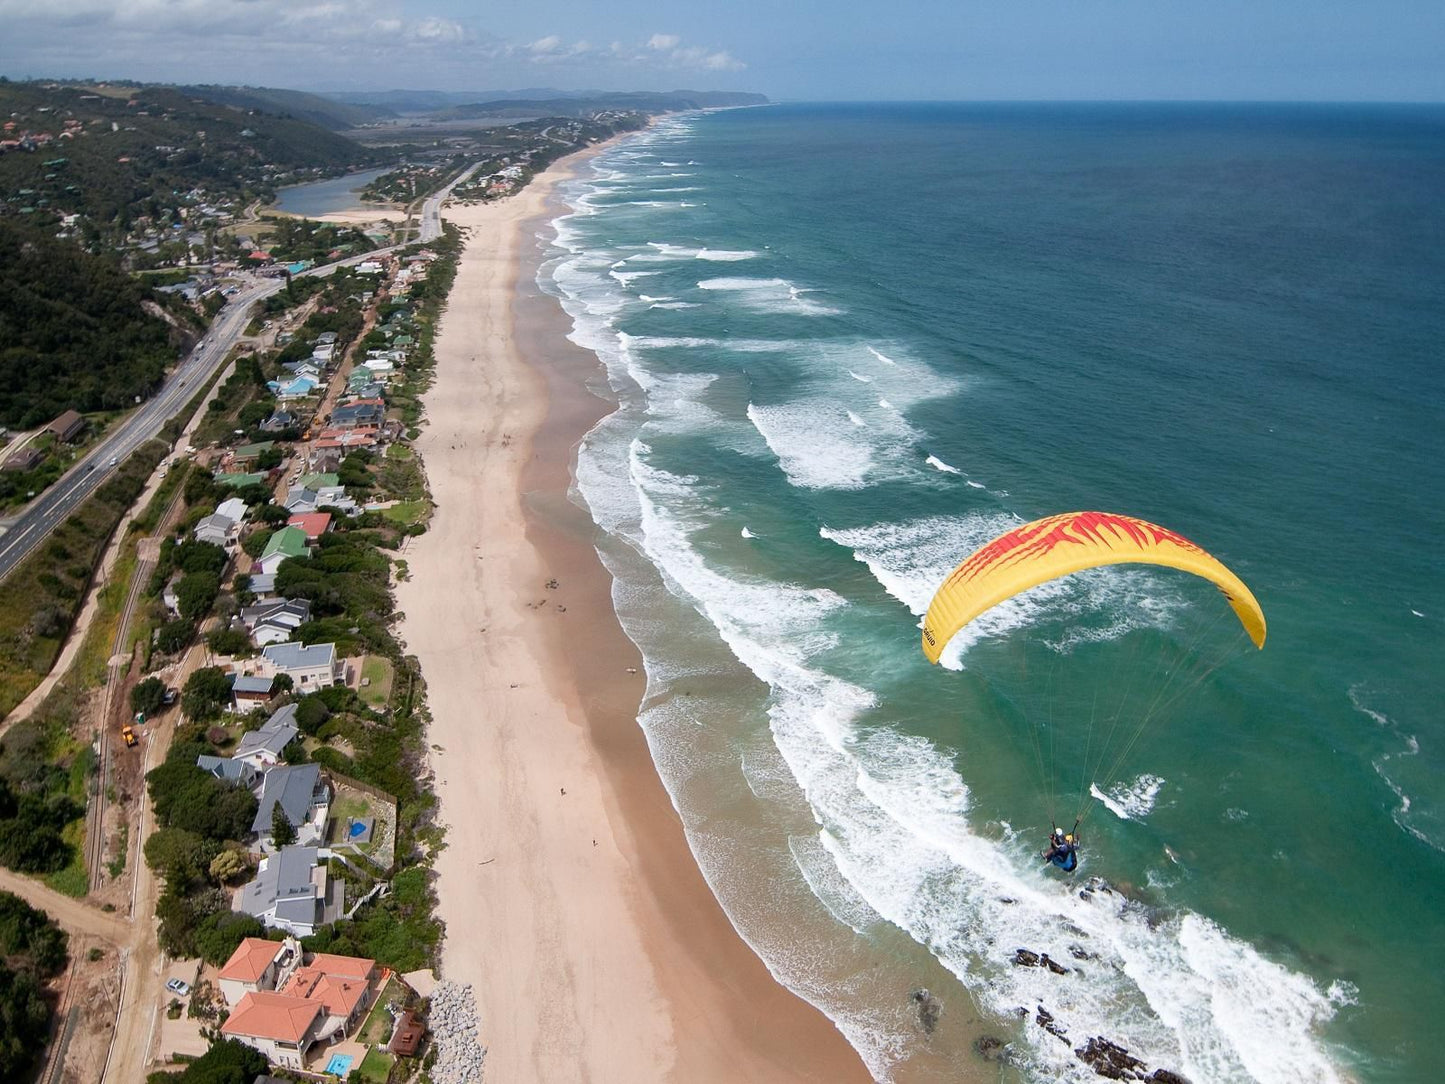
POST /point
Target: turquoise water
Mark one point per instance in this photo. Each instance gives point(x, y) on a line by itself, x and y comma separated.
point(850, 344)
point(326, 197)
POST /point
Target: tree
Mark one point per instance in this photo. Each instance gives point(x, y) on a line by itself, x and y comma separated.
point(226, 1062)
point(148, 696)
point(185, 796)
point(274, 514)
point(221, 933)
point(228, 865)
point(173, 636)
point(195, 593)
point(283, 832)
point(311, 712)
point(205, 692)
point(255, 542)
point(229, 642)
point(180, 856)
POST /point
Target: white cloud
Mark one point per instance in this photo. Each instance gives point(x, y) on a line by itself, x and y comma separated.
point(306, 42)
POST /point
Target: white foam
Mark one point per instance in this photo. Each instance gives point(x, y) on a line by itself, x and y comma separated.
point(743, 284)
point(885, 404)
point(976, 485)
point(628, 277)
point(814, 451)
point(718, 255)
point(939, 465)
point(855, 419)
point(859, 377)
point(884, 358)
point(1130, 801)
point(747, 533)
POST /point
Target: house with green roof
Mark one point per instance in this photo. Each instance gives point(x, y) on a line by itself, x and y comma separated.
point(240, 481)
point(286, 543)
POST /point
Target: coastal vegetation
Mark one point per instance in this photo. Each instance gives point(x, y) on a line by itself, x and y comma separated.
point(43, 594)
point(75, 332)
point(32, 952)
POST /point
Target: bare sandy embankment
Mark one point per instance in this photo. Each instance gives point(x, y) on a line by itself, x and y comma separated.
point(573, 905)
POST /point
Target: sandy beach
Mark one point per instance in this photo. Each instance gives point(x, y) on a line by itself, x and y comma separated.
point(573, 905)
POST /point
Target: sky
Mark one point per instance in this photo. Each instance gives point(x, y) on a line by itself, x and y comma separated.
point(1333, 50)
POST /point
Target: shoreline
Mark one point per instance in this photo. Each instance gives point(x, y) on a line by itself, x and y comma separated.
point(574, 908)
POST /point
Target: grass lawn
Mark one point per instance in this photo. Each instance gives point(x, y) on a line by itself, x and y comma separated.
point(405, 513)
point(376, 1066)
point(377, 670)
point(377, 1029)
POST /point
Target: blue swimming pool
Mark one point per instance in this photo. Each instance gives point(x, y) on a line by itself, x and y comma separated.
point(339, 1065)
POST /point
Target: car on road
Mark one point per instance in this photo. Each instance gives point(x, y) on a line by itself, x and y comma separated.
point(115, 460)
point(178, 986)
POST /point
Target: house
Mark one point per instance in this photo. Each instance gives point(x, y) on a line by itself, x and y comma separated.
point(25, 459)
point(347, 438)
point(248, 452)
point(342, 985)
point(359, 414)
point(292, 893)
point(326, 338)
point(280, 421)
point(311, 666)
point(240, 480)
point(283, 1029)
point(216, 529)
point(315, 524)
point(169, 597)
point(257, 964)
point(263, 585)
point(275, 621)
point(301, 500)
point(380, 368)
point(248, 691)
point(261, 748)
point(304, 797)
point(298, 388)
point(67, 427)
point(324, 353)
point(319, 481)
point(286, 543)
point(229, 770)
point(321, 1001)
point(233, 508)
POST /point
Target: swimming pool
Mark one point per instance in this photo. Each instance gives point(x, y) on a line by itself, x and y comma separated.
point(339, 1065)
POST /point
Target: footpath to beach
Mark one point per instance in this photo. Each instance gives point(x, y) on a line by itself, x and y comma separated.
point(572, 904)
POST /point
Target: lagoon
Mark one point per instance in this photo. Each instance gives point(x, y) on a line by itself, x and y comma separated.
point(326, 197)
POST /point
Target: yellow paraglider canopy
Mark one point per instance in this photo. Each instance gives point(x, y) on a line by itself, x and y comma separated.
point(1059, 545)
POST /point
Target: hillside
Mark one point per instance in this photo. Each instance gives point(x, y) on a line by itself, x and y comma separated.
point(73, 334)
point(113, 154)
point(337, 116)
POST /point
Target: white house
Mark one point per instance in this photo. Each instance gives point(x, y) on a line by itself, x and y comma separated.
point(261, 748)
point(311, 666)
point(292, 892)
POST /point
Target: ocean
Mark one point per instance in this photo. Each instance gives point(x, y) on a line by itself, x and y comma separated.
point(851, 343)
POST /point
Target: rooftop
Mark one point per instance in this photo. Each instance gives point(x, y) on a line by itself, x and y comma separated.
point(272, 1016)
point(251, 958)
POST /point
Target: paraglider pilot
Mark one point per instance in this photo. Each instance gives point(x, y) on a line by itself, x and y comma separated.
point(1063, 850)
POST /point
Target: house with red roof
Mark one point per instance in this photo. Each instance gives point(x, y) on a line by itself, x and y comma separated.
point(286, 1007)
point(315, 524)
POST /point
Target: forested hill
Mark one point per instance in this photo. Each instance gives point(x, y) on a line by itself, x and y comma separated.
point(327, 112)
point(73, 333)
point(115, 153)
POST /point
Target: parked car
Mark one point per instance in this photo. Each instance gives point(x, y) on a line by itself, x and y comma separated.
point(178, 986)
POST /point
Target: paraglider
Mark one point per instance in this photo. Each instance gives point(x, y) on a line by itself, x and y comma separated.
point(1058, 546)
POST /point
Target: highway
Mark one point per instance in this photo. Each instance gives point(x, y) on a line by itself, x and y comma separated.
point(54, 504)
point(47, 511)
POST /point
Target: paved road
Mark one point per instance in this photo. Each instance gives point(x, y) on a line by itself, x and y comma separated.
point(52, 506)
point(32, 526)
